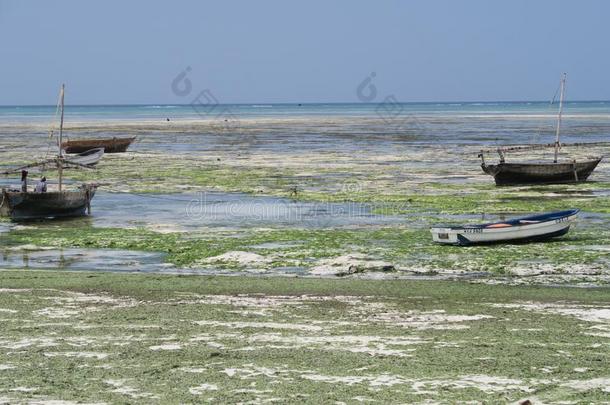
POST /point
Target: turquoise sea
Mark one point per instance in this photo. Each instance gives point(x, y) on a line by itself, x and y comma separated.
point(387, 108)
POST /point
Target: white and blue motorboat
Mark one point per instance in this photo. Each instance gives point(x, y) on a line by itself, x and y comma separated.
point(525, 229)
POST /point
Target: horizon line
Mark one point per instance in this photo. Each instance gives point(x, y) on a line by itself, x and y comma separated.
point(308, 103)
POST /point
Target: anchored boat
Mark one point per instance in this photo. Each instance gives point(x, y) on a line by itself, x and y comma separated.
point(112, 145)
point(52, 204)
point(513, 173)
point(24, 204)
point(538, 172)
point(525, 229)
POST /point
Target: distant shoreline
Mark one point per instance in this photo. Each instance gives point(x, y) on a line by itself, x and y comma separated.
point(310, 104)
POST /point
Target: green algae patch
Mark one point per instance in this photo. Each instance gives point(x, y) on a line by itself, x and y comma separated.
point(118, 338)
point(180, 250)
point(160, 174)
point(390, 190)
point(407, 249)
point(492, 202)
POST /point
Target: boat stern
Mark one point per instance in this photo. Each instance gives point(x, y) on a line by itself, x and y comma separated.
point(444, 235)
point(5, 208)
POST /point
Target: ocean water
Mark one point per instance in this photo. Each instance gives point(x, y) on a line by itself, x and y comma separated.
point(343, 127)
point(387, 110)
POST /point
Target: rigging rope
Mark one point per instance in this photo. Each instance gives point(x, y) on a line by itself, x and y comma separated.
point(541, 127)
point(54, 121)
point(555, 95)
point(51, 133)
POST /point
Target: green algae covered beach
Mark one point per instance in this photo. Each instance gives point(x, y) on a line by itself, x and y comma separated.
point(143, 338)
point(302, 272)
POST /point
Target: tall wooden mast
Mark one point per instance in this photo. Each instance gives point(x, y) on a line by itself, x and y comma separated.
point(60, 154)
point(563, 86)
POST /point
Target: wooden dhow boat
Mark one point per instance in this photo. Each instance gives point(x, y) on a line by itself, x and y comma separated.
point(515, 173)
point(112, 145)
point(52, 204)
point(525, 229)
point(23, 204)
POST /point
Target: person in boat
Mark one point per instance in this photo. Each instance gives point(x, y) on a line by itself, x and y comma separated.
point(24, 181)
point(41, 186)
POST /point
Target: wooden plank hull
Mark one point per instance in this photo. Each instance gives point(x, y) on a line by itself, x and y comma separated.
point(540, 173)
point(18, 205)
point(113, 145)
point(533, 228)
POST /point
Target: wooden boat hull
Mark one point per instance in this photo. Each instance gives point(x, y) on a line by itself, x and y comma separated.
point(88, 158)
point(527, 229)
point(540, 173)
point(18, 205)
point(113, 145)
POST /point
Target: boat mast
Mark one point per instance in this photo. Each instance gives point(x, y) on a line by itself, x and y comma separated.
point(563, 86)
point(60, 159)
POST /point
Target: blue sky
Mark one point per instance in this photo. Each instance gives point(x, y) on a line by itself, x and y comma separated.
point(120, 52)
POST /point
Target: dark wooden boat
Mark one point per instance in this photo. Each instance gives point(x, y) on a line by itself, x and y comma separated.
point(542, 173)
point(53, 204)
point(570, 171)
point(112, 145)
point(24, 204)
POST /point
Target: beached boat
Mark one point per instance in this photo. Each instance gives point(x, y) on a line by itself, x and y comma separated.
point(514, 173)
point(53, 204)
point(525, 229)
point(547, 173)
point(112, 145)
point(88, 158)
point(19, 204)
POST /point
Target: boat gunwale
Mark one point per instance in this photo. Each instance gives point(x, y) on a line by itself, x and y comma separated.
point(589, 160)
point(87, 140)
point(514, 223)
point(85, 153)
point(110, 145)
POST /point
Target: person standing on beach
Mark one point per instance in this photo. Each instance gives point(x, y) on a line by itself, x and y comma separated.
point(24, 181)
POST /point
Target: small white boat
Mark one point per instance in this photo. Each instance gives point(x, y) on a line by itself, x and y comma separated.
point(87, 158)
point(532, 228)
